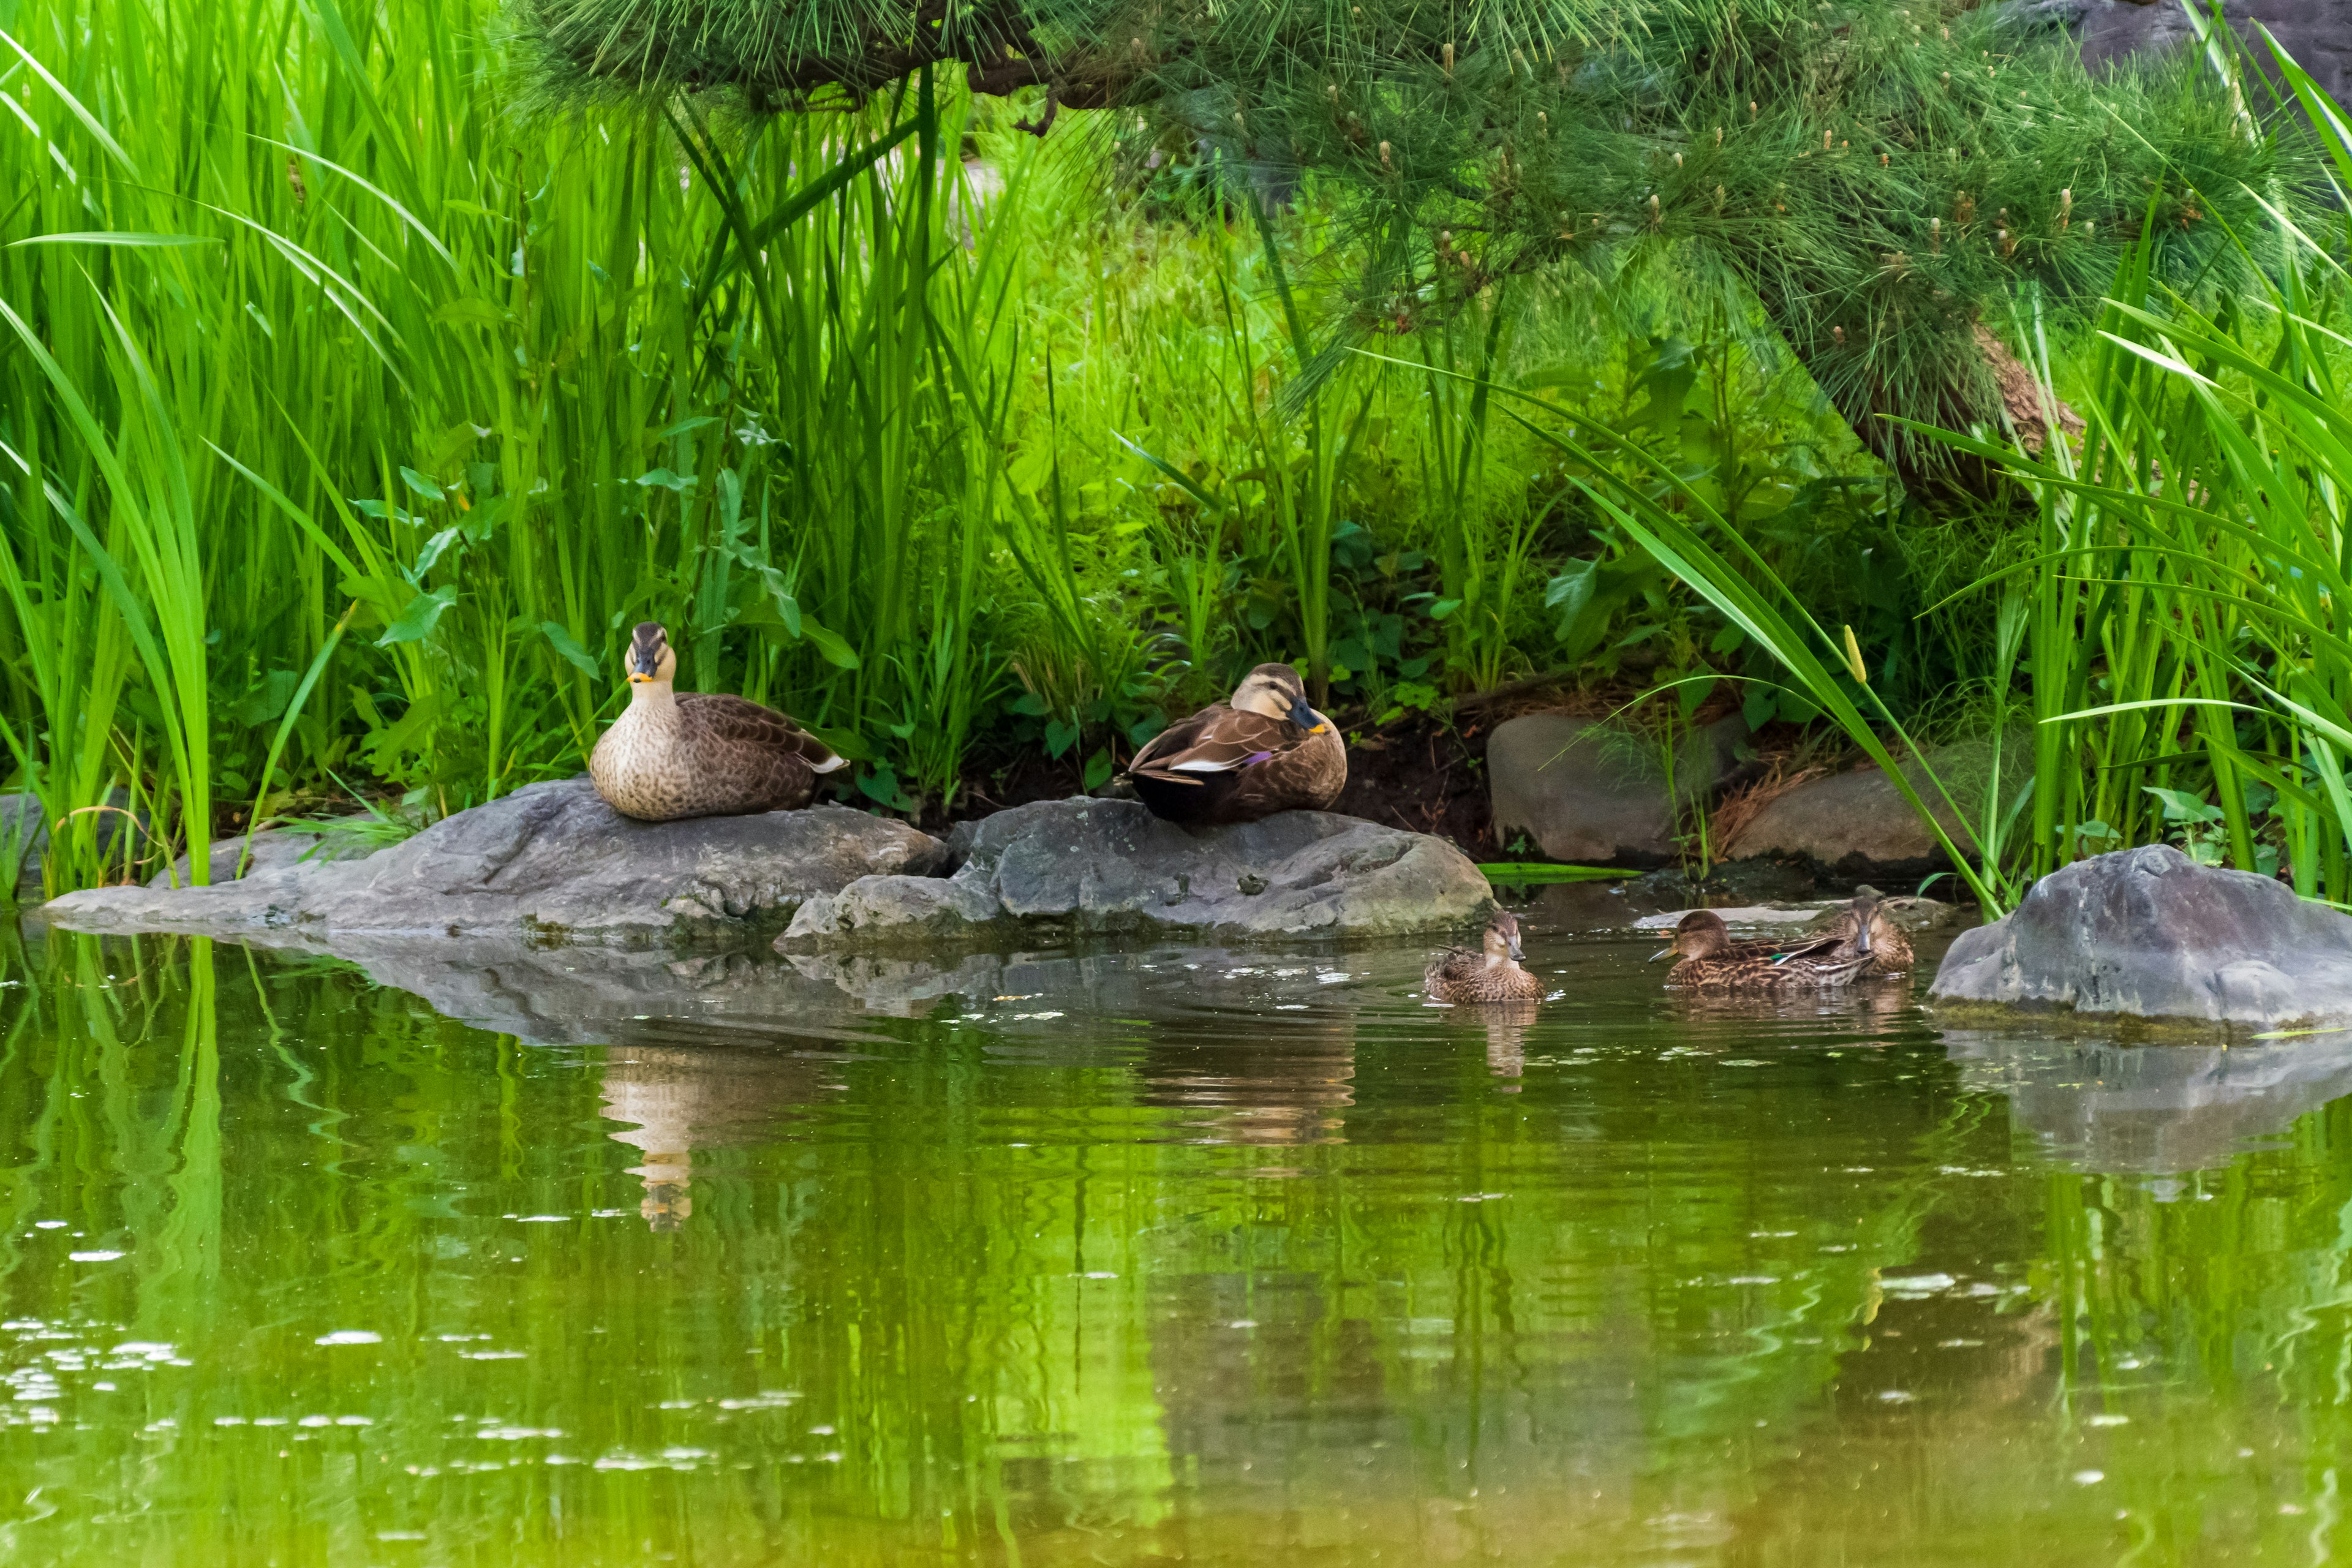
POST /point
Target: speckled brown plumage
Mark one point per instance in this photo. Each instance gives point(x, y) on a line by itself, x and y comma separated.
point(1708, 958)
point(1491, 974)
point(702, 754)
point(1890, 944)
point(1265, 751)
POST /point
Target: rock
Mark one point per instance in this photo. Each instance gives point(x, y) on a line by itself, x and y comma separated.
point(24, 836)
point(1089, 866)
point(2317, 34)
point(548, 860)
point(2149, 933)
point(273, 849)
point(1858, 825)
point(1589, 793)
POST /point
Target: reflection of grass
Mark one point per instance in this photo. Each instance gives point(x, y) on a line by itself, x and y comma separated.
point(1524, 873)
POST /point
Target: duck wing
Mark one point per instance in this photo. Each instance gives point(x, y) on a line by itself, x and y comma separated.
point(1216, 740)
point(744, 723)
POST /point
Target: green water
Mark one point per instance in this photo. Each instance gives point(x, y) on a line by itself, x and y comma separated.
point(1189, 1255)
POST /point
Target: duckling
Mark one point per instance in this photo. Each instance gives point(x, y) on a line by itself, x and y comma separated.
point(1708, 958)
point(1459, 975)
point(1265, 751)
point(1889, 945)
point(702, 754)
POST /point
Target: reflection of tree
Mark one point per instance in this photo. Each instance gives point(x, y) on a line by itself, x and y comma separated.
point(682, 1096)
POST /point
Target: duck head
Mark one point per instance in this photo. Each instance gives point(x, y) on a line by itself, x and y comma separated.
point(1868, 912)
point(1275, 691)
point(651, 661)
point(1701, 933)
point(1503, 939)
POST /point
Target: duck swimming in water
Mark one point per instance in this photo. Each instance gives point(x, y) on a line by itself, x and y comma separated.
point(1889, 945)
point(1708, 958)
point(702, 754)
point(1265, 751)
point(1491, 975)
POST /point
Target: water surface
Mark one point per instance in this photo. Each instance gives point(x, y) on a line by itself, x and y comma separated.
point(1200, 1256)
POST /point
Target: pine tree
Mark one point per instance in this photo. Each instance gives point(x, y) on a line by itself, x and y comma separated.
point(1879, 174)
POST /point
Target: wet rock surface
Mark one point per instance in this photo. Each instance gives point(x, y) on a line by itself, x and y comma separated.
point(1589, 793)
point(2149, 933)
point(550, 860)
point(1104, 865)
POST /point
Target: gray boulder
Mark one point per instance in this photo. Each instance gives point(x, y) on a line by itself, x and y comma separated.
point(2316, 33)
point(1090, 866)
point(1590, 793)
point(2149, 933)
point(548, 860)
point(1857, 823)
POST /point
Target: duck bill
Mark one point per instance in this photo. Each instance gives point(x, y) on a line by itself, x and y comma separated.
point(1306, 717)
point(1667, 952)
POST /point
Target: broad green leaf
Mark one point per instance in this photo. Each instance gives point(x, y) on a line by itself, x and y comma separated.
point(568, 646)
point(416, 622)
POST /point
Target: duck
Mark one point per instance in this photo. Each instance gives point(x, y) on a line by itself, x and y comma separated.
point(1889, 946)
point(702, 754)
point(1492, 975)
point(1708, 958)
point(1263, 752)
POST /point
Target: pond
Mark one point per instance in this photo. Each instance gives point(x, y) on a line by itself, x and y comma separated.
point(1198, 1255)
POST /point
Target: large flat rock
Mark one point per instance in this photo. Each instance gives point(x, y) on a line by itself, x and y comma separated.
point(2149, 933)
point(1084, 866)
point(550, 860)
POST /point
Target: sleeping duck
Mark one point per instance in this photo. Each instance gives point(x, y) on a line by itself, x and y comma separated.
point(1708, 958)
point(702, 754)
point(1492, 975)
point(1265, 751)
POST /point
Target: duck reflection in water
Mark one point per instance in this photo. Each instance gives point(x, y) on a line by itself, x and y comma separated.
point(1292, 1088)
point(679, 1098)
point(1506, 1025)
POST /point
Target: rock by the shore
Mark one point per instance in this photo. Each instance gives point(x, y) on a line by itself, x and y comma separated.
point(271, 849)
point(1857, 823)
point(551, 860)
point(1589, 793)
point(25, 834)
point(2149, 933)
point(1101, 866)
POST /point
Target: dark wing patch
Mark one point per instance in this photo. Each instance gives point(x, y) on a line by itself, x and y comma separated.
point(740, 719)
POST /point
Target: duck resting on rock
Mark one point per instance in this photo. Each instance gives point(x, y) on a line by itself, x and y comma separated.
point(702, 754)
point(1492, 975)
point(1706, 958)
point(1265, 751)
